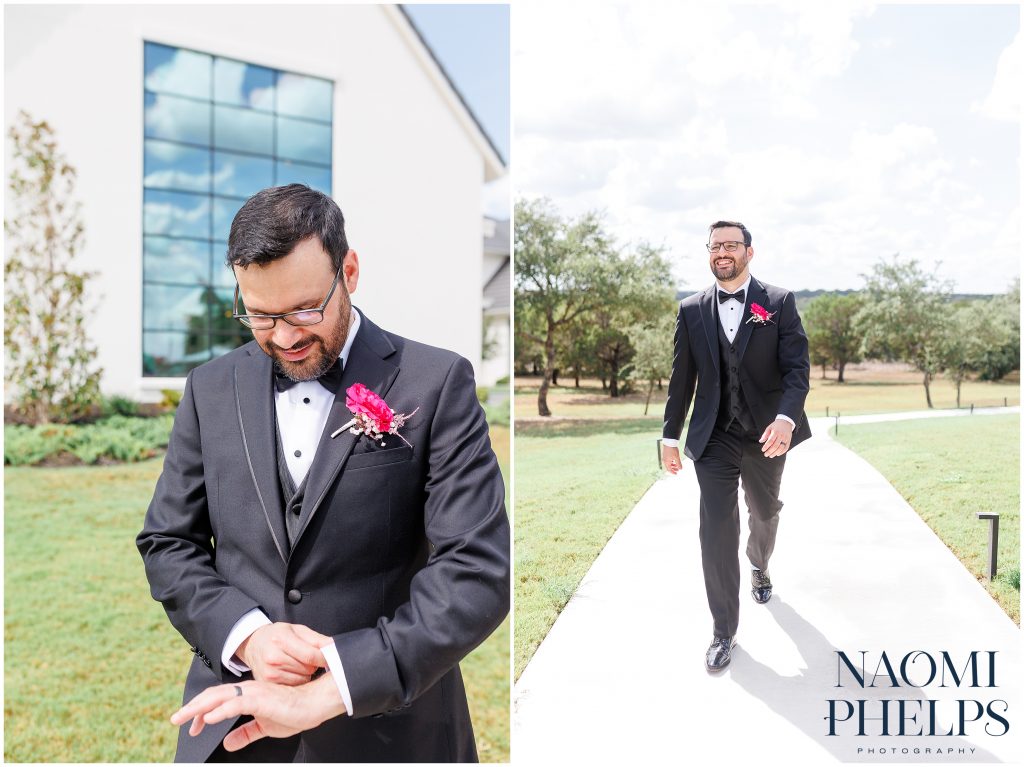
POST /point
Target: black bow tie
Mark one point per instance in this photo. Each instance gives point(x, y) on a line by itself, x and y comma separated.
point(739, 295)
point(331, 380)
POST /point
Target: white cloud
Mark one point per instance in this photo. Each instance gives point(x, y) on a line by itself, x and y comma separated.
point(1003, 101)
point(763, 117)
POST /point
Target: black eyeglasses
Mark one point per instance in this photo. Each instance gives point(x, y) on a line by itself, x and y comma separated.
point(297, 318)
point(730, 246)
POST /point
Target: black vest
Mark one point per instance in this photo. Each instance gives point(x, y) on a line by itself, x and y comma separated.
point(732, 406)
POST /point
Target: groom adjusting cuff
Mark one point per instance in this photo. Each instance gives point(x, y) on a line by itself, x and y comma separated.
point(255, 619)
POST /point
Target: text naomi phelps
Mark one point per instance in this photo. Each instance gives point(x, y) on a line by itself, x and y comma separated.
point(910, 715)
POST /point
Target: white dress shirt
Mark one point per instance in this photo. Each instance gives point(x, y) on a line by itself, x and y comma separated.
point(730, 314)
point(302, 413)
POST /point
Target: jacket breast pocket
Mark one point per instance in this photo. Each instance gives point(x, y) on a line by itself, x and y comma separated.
point(379, 458)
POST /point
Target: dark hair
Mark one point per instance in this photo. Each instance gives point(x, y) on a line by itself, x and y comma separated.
point(722, 225)
point(273, 221)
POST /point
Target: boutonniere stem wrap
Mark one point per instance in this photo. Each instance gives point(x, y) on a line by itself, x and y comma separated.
point(372, 416)
point(759, 315)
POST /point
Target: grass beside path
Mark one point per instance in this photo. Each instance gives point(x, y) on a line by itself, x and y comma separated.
point(575, 483)
point(948, 469)
point(93, 668)
point(869, 388)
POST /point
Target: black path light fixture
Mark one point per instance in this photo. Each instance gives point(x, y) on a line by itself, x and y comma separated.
point(993, 540)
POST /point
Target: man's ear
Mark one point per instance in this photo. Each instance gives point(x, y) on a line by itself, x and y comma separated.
point(350, 270)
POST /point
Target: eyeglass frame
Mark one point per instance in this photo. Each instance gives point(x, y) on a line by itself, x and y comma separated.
point(719, 245)
point(284, 315)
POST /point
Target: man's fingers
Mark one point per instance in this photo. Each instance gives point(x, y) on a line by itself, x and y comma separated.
point(231, 708)
point(307, 634)
point(197, 708)
point(282, 676)
point(241, 737)
point(304, 652)
point(767, 433)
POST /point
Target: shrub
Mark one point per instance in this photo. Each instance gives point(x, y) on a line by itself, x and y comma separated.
point(118, 405)
point(1012, 577)
point(498, 415)
point(116, 438)
point(171, 398)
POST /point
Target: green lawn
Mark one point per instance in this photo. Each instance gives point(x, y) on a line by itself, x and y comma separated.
point(860, 397)
point(580, 473)
point(949, 469)
point(575, 483)
point(93, 669)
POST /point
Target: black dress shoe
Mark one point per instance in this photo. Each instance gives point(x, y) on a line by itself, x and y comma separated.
point(720, 653)
point(761, 585)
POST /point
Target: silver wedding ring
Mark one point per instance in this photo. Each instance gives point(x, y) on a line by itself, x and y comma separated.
point(238, 690)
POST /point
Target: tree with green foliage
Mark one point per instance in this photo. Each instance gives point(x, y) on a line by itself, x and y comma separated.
point(652, 342)
point(905, 317)
point(559, 263)
point(50, 360)
point(999, 340)
point(637, 290)
point(831, 334)
point(983, 338)
point(576, 350)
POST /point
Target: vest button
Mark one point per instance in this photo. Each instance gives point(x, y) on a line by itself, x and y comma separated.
point(294, 596)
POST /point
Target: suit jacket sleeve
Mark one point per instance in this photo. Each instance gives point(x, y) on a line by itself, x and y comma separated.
point(681, 383)
point(177, 551)
point(794, 360)
point(462, 593)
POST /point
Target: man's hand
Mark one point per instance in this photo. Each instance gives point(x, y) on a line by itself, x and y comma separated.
point(283, 653)
point(670, 459)
point(776, 438)
point(278, 711)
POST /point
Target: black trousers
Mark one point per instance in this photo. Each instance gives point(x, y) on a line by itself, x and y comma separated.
point(731, 456)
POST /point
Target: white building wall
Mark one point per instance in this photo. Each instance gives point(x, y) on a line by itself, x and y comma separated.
point(407, 176)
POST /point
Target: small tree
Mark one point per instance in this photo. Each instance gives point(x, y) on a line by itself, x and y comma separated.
point(49, 357)
point(905, 317)
point(654, 350)
point(831, 334)
point(558, 263)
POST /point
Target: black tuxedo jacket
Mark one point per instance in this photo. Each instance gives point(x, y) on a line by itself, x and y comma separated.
point(774, 366)
point(402, 557)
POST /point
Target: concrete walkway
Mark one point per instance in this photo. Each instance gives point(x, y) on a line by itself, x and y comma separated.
point(621, 674)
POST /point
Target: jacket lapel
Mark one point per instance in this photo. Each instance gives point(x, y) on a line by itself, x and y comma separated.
point(707, 316)
point(254, 401)
point(756, 294)
point(366, 364)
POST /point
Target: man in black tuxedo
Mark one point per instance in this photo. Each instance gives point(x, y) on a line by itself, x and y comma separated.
point(332, 580)
point(741, 346)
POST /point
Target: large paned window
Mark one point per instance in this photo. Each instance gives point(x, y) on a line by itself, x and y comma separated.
point(216, 132)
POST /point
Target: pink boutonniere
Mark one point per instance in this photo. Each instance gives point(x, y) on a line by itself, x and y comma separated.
point(373, 416)
point(760, 315)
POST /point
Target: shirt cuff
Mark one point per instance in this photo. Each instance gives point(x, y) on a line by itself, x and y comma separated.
point(781, 417)
point(330, 652)
point(242, 630)
point(666, 442)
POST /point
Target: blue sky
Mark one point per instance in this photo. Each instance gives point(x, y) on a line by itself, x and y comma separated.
point(838, 133)
point(472, 43)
